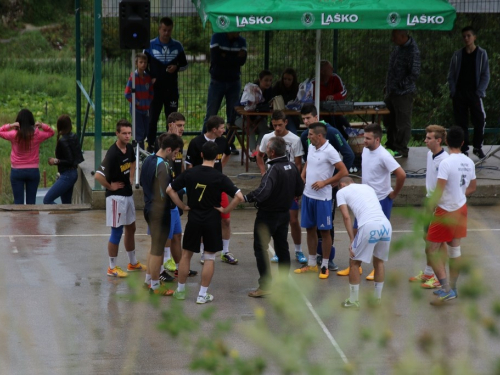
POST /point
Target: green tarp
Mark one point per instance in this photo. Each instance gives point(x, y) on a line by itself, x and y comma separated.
point(257, 15)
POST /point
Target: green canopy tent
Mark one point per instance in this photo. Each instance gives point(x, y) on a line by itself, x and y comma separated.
point(265, 15)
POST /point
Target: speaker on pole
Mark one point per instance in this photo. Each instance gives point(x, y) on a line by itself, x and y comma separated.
point(134, 24)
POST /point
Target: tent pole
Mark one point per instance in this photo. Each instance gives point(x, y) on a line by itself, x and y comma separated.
point(266, 49)
point(318, 59)
point(335, 51)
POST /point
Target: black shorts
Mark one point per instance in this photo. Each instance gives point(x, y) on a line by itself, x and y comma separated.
point(159, 225)
point(211, 232)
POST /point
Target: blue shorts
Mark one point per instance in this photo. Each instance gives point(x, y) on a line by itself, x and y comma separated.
point(316, 213)
point(175, 222)
point(386, 205)
point(295, 205)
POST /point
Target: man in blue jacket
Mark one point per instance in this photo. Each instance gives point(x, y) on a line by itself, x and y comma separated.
point(468, 79)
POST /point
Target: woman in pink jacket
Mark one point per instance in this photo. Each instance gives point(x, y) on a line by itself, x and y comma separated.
point(25, 136)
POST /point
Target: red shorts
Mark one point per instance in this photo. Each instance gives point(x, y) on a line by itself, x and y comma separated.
point(224, 202)
point(446, 226)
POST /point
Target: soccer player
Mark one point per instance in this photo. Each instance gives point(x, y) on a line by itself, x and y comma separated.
point(116, 174)
point(204, 185)
point(294, 152)
point(377, 165)
point(155, 178)
point(456, 180)
point(215, 128)
point(372, 239)
point(318, 176)
point(434, 137)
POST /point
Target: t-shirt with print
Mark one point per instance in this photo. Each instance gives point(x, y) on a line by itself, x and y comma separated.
point(193, 155)
point(204, 186)
point(320, 166)
point(458, 171)
point(293, 145)
point(431, 173)
point(116, 168)
point(376, 169)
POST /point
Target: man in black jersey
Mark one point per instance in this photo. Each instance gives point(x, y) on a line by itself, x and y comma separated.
point(204, 185)
point(215, 129)
point(155, 178)
point(116, 174)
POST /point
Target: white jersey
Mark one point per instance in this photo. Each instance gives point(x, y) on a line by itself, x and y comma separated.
point(362, 201)
point(432, 170)
point(458, 170)
point(376, 169)
point(293, 145)
point(320, 166)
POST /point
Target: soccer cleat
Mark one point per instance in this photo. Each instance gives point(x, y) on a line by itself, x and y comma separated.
point(179, 295)
point(325, 272)
point(136, 267)
point(397, 155)
point(306, 269)
point(117, 272)
point(190, 274)
point(170, 265)
point(257, 293)
point(438, 292)
point(274, 259)
point(371, 276)
point(332, 266)
point(208, 298)
point(479, 153)
point(444, 297)
point(228, 258)
point(161, 291)
point(420, 278)
point(432, 283)
point(348, 304)
point(299, 255)
point(165, 277)
point(345, 272)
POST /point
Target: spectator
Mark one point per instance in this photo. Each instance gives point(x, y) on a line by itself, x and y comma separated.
point(287, 87)
point(25, 136)
point(404, 69)
point(468, 78)
point(166, 59)
point(228, 53)
point(68, 156)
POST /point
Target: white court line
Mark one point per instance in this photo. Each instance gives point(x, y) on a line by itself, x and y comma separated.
point(12, 236)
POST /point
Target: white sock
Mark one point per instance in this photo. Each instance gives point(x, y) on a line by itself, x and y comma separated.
point(428, 271)
point(162, 268)
point(181, 287)
point(324, 263)
point(377, 292)
point(155, 284)
point(311, 262)
point(298, 248)
point(353, 297)
point(177, 266)
point(131, 257)
point(202, 247)
point(148, 279)
point(112, 262)
point(225, 246)
point(203, 291)
point(166, 254)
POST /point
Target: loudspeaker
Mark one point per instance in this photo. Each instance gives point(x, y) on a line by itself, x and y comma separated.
point(134, 24)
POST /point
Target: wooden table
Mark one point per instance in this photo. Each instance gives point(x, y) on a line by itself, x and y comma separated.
point(246, 128)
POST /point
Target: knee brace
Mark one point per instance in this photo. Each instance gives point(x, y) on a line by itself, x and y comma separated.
point(209, 256)
point(116, 235)
point(454, 252)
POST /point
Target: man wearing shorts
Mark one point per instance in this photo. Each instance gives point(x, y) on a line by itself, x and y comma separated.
point(116, 174)
point(456, 180)
point(318, 176)
point(215, 128)
point(294, 152)
point(377, 165)
point(434, 137)
point(372, 239)
point(204, 185)
point(155, 178)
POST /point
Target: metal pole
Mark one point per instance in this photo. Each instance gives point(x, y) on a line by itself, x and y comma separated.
point(98, 87)
point(318, 60)
point(133, 107)
point(266, 49)
point(335, 51)
point(78, 71)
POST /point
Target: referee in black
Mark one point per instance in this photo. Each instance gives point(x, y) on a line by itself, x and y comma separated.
point(278, 188)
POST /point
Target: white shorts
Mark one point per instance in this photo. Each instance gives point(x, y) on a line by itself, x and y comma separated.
point(372, 239)
point(119, 211)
